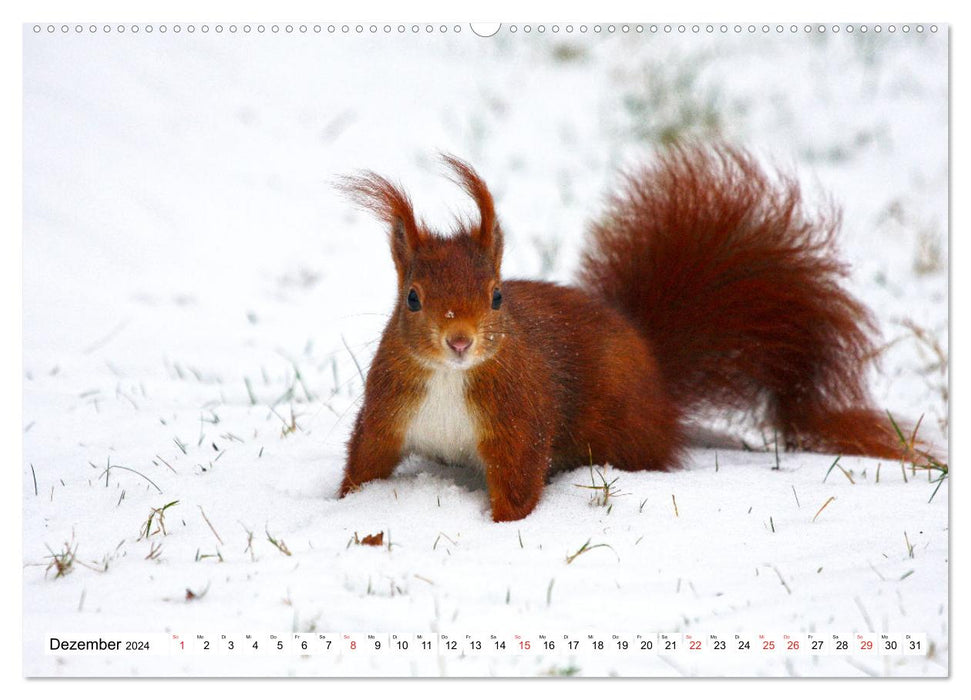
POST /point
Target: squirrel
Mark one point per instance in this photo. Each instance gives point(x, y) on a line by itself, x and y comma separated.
point(705, 285)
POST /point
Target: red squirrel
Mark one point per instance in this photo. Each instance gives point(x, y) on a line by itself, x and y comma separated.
point(705, 284)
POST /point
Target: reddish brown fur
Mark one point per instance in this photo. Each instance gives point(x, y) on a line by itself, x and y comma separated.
point(738, 292)
point(703, 285)
point(542, 408)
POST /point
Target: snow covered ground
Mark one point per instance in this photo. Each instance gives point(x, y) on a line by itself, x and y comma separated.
point(197, 298)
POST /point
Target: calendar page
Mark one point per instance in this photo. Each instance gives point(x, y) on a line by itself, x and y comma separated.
point(258, 439)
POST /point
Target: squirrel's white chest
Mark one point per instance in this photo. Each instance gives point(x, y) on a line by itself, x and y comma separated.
point(442, 426)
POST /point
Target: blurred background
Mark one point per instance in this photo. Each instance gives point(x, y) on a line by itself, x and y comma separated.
point(178, 187)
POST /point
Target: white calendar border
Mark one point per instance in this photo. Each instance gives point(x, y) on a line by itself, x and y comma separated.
point(13, 649)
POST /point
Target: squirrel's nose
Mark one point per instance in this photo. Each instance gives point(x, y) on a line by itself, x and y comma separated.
point(459, 343)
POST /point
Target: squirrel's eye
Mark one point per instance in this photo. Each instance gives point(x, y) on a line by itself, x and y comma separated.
point(413, 302)
point(496, 298)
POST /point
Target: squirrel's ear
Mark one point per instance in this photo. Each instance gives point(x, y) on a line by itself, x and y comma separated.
point(392, 205)
point(488, 234)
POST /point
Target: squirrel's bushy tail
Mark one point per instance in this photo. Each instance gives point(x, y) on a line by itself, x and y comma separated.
point(738, 291)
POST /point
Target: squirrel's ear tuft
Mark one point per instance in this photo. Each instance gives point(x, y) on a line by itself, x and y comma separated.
point(392, 205)
point(488, 234)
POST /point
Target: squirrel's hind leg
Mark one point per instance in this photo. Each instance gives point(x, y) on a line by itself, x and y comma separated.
point(651, 440)
point(631, 422)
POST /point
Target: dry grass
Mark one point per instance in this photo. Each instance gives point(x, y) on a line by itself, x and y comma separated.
point(156, 520)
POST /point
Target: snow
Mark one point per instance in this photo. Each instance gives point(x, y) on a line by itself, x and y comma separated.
point(197, 298)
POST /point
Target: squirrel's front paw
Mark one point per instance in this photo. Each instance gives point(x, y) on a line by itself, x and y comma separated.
point(505, 509)
point(347, 487)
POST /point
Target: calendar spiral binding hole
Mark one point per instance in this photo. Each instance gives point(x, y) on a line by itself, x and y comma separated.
point(541, 29)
